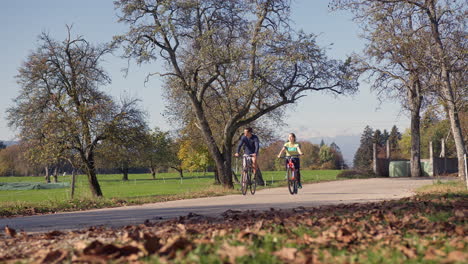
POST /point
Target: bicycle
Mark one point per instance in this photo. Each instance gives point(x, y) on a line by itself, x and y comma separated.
point(247, 171)
point(291, 175)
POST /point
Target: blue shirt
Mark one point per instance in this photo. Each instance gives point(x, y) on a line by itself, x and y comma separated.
point(251, 145)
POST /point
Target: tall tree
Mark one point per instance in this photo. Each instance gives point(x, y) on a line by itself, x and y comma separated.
point(239, 59)
point(385, 137)
point(60, 85)
point(125, 151)
point(441, 21)
point(378, 137)
point(395, 57)
point(2, 145)
point(157, 151)
point(363, 156)
point(393, 138)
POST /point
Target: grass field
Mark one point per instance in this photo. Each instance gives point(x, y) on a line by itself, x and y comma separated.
point(140, 188)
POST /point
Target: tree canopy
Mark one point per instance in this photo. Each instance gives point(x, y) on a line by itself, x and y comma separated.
point(232, 62)
point(61, 109)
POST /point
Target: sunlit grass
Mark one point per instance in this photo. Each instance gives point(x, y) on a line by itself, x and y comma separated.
point(439, 187)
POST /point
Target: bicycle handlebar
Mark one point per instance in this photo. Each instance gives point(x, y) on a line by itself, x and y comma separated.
point(291, 156)
point(244, 155)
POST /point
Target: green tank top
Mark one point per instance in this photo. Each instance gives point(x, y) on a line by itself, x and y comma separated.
point(291, 148)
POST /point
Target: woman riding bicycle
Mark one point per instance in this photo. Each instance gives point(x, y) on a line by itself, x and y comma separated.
point(293, 150)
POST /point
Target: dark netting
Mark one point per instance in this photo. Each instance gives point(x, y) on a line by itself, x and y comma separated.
point(4, 186)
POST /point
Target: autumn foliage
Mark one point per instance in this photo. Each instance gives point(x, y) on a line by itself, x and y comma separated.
point(425, 228)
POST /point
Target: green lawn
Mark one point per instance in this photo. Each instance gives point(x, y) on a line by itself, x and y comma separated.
point(140, 188)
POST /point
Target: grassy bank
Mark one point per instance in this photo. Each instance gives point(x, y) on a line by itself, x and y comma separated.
point(428, 228)
point(139, 189)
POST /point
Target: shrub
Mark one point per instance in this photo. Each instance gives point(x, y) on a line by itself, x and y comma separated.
point(353, 174)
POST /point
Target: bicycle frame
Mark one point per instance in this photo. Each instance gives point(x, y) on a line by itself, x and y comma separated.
point(246, 180)
point(291, 174)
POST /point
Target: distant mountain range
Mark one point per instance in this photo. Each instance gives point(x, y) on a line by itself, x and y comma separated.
point(347, 144)
point(9, 143)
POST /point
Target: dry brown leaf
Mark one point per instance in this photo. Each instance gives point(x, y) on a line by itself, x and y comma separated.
point(258, 225)
point(110, 251)
point(53, 234)
point(232, 252)
point(409, 252)
point(457, 256)
point(151, 244)
point(318, 240)
point(246, 235)
point(286, 253)
point(92, 248)
point(10, 231)
point(344, 235)
point(173, 244)
point(460, 230)
point(433, 254)
point(390, 217)
point(89, 259)
point(80, 245)
point(52, 257)
point(460, 213)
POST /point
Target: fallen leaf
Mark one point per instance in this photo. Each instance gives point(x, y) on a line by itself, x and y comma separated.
point(55, 256)
point(232, 252)
point(460, 213)
point(151, 244)
point(286, 253)
point(10, 231)
point(109, 250)
point(460, 230)
point(246, 235)
point(174, 244)
point(457, 256)
point(53, 234)
point(89, 259)
point(258, 225)
point(409, 252)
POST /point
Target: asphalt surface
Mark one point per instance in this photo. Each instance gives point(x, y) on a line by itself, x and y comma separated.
point(312, 195)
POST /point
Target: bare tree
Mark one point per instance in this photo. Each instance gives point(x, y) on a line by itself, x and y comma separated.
point(238, 59)
point(441, 19)
point(394, 57)
point(60, 101)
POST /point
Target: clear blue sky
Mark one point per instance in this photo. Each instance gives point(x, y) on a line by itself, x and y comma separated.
point(316, 115)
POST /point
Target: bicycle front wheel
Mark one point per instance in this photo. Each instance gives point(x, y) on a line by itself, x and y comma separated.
point(244, 182)
point(253, 184)
point(291, 180)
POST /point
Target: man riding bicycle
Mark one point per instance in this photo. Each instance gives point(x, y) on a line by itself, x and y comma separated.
point(251, 146)
point(293, 150)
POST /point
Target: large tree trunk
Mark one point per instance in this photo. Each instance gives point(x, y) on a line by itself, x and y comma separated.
point(415, 163)
point(224, 172)
point(459, 143)
point(415, 100)
point(56, 174)
point(124, 171)
point(153, 172)
point(92, 177)
point(179, 170)
point(47, 175)
point(216, 177)
point(448, 89)
point(73, 184)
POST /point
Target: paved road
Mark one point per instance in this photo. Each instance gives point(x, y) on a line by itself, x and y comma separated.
point(348, 191)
